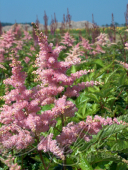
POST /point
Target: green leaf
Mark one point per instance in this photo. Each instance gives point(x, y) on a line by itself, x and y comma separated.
point(84, 109)
point(124, 86)
point(121, 166)
point(123, 118)
point(104, 165)
point(36, 158)
point(110, 130)
point(81, 99)
point(99, 62)
point(84, 164)
point(122, 79)
point(110, 76)
point(103, 70)
point(73, 69)
point(93, 96)
point(95, 107)
point(107, 91)
point(103, 155)
point(93, 89)
point(47, 107)
point(119, 145)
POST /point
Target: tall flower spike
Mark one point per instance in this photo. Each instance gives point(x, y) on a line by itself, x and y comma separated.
point(102, 39)
point(74, 55)
point(67, 40)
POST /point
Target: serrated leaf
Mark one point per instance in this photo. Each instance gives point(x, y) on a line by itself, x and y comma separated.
point(99, 62)
point(110, 76)
point(104, 165)
point(58, 122)
point(36, 158)
point(95, 106)
point(84, 164)
point(107, 91)
point(124, 86)
point(103, 156)
point(121, 166)
point(84, 109)
point(93, 96)
point(110, 130)
point(123, 118)
point(111, 98)
point(99, 94)
point(122, 79)
point(81, 99)
point(119, 145)
point(79, 115)
point(103, 70)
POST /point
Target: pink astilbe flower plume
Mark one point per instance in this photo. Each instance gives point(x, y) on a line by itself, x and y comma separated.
point(12, 41)
point(6, 41)
point(17, 31)
point(102, 39)
point(67, 40)
point(74, 54)
point(99, 49)
point(47, 144)
point(125, 65)
point(83, 129)
point(85, 44)
point(26, 36)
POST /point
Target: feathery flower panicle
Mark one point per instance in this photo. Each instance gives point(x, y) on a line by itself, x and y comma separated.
point(94, 48)
point(85, 44)
point(20, 140)
point(74, 54)
point(74, 90)
point(27, 59)
point(83, 129)
point(17, 31)
point(125, 65)
point(1, 66)
point(26, 36)
point(52, 73)
point(102, 39)
point(47, 144)
point(67, 40)
point(99, 49)
point(12, 40)
point(6, 42)
point(21, 105)
point(9, 161)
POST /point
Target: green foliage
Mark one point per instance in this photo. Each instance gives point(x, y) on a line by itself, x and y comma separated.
point(84, 164)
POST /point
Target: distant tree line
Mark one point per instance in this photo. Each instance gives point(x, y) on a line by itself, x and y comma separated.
point(105, 25)
point(116, 24)
point(8, 24)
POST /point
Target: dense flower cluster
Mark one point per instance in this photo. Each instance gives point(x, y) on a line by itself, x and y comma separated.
point(83, 129)
point(21, 116)
point(11, 40)
point(7, 40)
point(9, 162)
point(91, 48)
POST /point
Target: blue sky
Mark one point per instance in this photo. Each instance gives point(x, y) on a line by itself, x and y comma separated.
point(23, 11)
